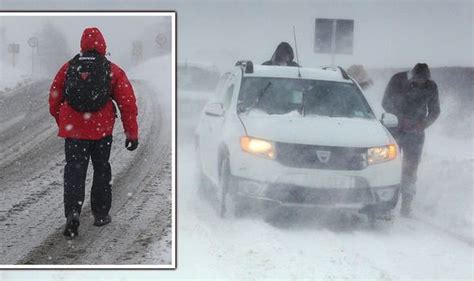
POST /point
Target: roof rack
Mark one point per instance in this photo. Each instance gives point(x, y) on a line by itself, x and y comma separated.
point(245, 65)
point(339, 69)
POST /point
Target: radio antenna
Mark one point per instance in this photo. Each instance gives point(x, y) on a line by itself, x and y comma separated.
point(296, 49)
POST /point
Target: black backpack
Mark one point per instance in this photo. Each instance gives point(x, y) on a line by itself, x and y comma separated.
point(87, 85)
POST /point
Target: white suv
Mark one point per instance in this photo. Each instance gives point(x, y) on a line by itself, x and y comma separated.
point(297, 137)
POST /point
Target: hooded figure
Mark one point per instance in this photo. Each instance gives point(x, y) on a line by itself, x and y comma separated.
point(283, 56)
point(413, 97)
point(88, 135)
point(360, 75)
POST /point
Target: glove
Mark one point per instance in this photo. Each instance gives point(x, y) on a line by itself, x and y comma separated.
point(131, 144)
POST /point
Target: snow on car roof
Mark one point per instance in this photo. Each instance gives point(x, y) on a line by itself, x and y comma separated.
point(329, 74)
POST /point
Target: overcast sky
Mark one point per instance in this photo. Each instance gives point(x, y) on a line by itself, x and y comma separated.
point(387, 33)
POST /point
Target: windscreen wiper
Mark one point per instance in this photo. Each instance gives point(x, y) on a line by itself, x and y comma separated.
point(259, 97)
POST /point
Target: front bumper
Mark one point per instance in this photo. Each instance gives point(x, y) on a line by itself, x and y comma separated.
point(361, 197)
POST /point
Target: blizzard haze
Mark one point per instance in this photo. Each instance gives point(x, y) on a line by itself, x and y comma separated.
point(119, 33)
point(386, 33)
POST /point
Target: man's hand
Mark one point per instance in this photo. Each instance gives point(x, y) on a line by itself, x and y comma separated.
point(131, 144)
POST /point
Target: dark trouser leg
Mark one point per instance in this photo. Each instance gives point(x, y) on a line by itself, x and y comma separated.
point(77, 159)
point(101, 193)
point(412, 147)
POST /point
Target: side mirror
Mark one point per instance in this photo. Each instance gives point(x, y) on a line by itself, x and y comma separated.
point(389, 120)
point(214, 109)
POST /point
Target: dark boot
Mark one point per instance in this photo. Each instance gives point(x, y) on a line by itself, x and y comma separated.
point(72, 224)
point(405, 210)
point(102, 220)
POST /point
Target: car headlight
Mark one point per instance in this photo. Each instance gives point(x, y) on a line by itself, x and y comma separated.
point(381, 154)
point(258, 147)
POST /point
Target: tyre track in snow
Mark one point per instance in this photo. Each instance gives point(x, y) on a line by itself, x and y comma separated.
point(136, 204)
point(24, 222)
point(21, 189)
point(31, 132)
point(21, 226)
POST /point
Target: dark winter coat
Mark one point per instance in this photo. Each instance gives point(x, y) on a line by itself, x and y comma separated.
point(94, 125)
point(283, 48)
point(417, 107)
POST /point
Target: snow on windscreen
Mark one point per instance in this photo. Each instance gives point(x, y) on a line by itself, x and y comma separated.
point(308, 97)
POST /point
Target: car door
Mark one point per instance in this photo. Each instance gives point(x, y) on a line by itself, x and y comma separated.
point(216, 123)
point(206, 123)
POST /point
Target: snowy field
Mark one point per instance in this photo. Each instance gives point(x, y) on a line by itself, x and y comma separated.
point(31, 177)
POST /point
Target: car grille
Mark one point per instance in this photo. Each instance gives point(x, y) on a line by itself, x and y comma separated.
point(318, 196)
point(306, 156)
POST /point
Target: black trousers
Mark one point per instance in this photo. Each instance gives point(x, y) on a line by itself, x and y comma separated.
point(78, 152)
point(411, 145)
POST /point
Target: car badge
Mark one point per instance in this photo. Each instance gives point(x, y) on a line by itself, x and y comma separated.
point(323, 156)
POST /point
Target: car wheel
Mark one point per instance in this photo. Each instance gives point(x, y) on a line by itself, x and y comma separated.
point(201, 179)
point(228, 201)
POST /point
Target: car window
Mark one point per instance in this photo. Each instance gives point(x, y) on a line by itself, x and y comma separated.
point(307, 97)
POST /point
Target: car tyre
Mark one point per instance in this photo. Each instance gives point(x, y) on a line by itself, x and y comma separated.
point(199, 176)
point(230, 204)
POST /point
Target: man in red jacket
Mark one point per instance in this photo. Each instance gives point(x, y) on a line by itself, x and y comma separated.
point(81, 100)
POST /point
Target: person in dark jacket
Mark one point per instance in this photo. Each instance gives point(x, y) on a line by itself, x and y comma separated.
point(283, 56)
point(413, 97)
point(88, 135)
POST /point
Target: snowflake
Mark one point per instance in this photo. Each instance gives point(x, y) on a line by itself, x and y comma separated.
point(69, 127)
point(87, 115)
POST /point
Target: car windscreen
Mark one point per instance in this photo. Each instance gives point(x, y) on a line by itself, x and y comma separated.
point(307, 97)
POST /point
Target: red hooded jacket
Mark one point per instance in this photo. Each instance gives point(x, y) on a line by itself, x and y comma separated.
point(94, 125)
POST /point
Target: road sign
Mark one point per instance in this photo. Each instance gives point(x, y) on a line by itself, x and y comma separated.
point(33, 42)
point(14, 48)
point(334, 36)
point(137, 48)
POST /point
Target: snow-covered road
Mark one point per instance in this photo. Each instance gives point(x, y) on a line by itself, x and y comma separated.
point(31, 167)
point(314, 248)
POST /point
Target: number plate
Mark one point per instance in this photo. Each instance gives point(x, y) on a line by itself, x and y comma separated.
point(321, 181)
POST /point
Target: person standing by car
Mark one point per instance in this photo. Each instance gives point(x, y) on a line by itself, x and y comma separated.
point(360, 75)
point(81, 101)
point(283, 56)
point(413, 97)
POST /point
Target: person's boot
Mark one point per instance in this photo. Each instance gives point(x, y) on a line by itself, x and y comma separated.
point(72, 224)
point(102, 220)
point(405, 210)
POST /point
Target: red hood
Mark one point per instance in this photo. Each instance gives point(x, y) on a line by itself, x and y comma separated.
point(92, 39)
